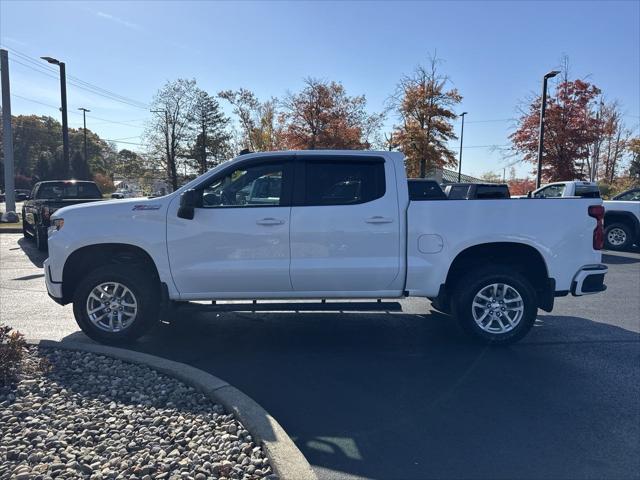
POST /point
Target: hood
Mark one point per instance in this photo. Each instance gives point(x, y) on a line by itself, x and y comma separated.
point(110, 207)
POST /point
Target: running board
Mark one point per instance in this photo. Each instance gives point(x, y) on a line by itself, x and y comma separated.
point(378, 306)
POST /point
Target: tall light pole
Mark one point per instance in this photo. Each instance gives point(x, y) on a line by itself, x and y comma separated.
point(460, 154)
point(543, 107)
point(7, 135)
point(84, 121)
point(63, 98)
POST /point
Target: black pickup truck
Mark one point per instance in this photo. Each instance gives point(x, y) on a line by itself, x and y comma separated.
point(46, 198)
point(477, 191)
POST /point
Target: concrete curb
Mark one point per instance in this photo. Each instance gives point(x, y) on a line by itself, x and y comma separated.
point(286, 459)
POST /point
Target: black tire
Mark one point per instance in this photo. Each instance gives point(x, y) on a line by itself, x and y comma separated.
point(618, 236)
point(473, 283)
point(41, 238)
point(141, 284)
point(25, 229)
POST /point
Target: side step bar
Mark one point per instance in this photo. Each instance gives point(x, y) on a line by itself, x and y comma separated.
point(254, 306)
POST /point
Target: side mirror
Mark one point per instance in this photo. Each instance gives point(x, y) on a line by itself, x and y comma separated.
point(529, 194)
point(189, 201)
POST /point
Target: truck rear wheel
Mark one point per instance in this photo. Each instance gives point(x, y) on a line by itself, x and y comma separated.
point(617, 236)
point(495, 305)
point(116, 304)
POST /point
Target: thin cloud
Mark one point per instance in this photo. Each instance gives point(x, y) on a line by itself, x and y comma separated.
point(118, 20)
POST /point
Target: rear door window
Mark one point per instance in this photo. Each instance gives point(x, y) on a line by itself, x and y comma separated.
point(458, 192)
point(587, 191)
point(338, 182)
point(492, 191)
point(552, 191)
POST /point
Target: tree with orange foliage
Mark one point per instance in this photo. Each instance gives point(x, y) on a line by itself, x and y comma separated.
point(521, 186)
point(425, 108)
point(571, 127)
point(323, 116)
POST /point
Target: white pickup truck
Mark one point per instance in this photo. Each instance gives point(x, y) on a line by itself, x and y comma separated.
point(622, 213)
point(321, 225)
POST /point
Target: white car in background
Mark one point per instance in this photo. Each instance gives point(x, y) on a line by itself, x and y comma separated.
point(622, 220)
point(124, 194)
point(622, 213)
point(575, 188)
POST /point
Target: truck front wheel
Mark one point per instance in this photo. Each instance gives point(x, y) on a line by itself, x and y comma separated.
point(41, 238)
point(495, 305)
point(116, 304)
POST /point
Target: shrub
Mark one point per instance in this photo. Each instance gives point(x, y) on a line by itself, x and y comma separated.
point(12, 349)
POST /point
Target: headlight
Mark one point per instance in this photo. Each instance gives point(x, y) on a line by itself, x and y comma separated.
point(56, 225)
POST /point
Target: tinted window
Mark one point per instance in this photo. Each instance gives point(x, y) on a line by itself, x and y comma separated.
point(492, 191)
point(587, 191)
point(53, 191)
point(425, 190)
point(249, 186)
point(551, 191)
point(458, 192)
point(633, 195)
point(343, 183)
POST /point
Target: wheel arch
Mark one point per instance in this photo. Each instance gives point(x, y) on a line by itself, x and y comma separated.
point(627, 218)
point(524, 258)
point(85, 259)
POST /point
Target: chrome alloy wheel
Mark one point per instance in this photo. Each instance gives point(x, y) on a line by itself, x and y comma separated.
point(616, 237)
point(497, 308)
point(112, 307)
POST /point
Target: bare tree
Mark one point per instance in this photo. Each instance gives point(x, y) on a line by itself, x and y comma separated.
point(259, 129)
point(169, 131)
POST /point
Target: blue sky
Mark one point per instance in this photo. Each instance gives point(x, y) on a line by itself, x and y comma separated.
point(494, 52)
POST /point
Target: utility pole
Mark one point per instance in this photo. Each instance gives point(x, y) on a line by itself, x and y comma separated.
point(460, 154)
point(596, 148)
point(65, 124)
point(543, 108)
point(203, 167)
point(7, 136)
point(84, 121)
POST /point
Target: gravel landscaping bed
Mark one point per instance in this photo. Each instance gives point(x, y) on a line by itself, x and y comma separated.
point(81, 415)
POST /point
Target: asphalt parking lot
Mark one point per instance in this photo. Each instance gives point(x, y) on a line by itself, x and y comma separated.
point(404, 396)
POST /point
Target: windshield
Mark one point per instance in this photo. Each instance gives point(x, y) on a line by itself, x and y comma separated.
point(632, 195)
point(64, 190)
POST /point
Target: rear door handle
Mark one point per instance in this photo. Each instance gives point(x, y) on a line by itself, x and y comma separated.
point(379, 219)
point(270, 221)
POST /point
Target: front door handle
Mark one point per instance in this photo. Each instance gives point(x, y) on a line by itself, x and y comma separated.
point(379, 219)
point(270, 221)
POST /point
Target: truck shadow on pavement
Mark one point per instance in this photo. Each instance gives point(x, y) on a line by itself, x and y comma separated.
point(29, 248)
point(619, 259)
point(405, 396)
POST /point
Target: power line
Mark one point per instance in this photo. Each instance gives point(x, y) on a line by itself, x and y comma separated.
point(81, 83)
point(75, 81)
point(121, 141)
point(104, 120)
point(41, 103)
